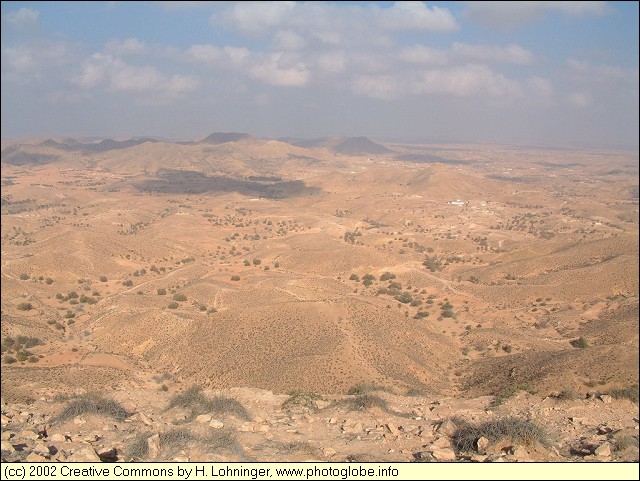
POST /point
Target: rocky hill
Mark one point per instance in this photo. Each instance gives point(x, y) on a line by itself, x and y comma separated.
point(161, 420)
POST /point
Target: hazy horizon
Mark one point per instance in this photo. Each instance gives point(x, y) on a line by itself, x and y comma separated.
point(520, 73)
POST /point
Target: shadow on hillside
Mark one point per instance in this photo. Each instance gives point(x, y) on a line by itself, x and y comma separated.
point(188, 182)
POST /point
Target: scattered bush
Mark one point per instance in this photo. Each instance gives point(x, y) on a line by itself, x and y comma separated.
point(195, 400)
point(580, 343)
point(162, 292)
point(175, 440)
point(103, 278)
point(364, 402)
point(386, 276)
point(256, 262)
point(173, 305)
point(179, 297)
point(24, 306)
point(354, 277)
point(235, 278)
point(92, 404)
point(127, 283)
point(301, 399)
point(568, 395)
point(629, 392)
point(24, 277)
point(518, 431)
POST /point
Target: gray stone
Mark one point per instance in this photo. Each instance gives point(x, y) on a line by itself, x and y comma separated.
point(216, 424)
point(7, 446)
point(153, 442)
point(603, 450)
point(443, 454)
point(84, 454)
point(482, 444)
point(35, 458)
point(447, 427)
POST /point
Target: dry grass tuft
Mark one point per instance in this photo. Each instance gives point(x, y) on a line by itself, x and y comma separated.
point(518, 431)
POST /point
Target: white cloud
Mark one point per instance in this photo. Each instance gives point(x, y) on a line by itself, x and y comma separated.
point(205, 53)
point(376, 86)
point(588, 72)
point(23, 19)
point(512, 53)
point(35, 58)
point(416, 16)
point(288, 40)
point(116, 75)
point(130, 46)
point(579, 99)
point(254, 17)
point(420, 54)
point(19, 58)
point(332, 62)
point(503, 14)
point(466, 81)
point(330, 21)
point(237, 55)
point(277, 69)
point(540, 87)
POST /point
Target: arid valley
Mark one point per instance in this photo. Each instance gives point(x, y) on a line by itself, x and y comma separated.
point(423, 284)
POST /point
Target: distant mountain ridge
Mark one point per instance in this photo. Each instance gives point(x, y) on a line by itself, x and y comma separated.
point(224, 137)
point(344, 145)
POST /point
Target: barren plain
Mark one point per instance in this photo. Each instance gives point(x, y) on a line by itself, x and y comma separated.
point(461, 272)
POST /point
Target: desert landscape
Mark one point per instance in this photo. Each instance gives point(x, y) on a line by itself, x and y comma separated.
point(336, 299)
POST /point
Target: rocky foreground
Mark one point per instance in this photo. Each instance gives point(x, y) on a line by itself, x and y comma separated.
point(242, 424)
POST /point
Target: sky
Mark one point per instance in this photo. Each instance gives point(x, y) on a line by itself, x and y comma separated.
point(526, 73)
